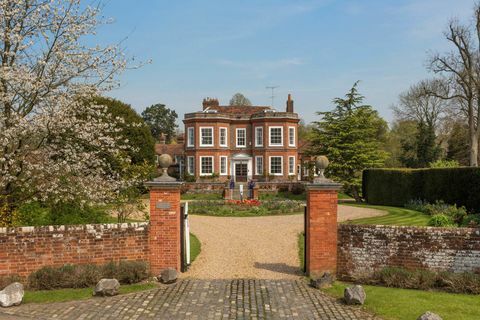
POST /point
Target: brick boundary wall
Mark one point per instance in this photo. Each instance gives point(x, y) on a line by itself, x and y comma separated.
point(363, 249)
point(24, 250)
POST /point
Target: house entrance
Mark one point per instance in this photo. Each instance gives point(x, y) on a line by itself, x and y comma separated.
point(241, 171)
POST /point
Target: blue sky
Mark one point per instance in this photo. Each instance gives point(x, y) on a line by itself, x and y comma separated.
point(315, 50)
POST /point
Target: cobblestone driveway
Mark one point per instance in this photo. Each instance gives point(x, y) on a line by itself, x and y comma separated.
point(202, 299)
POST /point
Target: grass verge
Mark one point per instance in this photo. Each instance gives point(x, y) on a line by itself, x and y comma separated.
point(195, 247)
point(61, 295)
point(406, 304)
point(396, 216)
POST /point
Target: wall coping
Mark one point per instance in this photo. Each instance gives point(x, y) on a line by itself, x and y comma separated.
point(138, 226)
point(458, 230)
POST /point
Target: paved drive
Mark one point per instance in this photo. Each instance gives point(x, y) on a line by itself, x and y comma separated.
point(254, 247)
point(202, 299)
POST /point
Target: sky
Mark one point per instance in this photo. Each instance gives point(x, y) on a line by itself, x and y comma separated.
point(313, 49)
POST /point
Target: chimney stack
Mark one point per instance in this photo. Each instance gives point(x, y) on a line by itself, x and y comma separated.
point(290, 103)
point(210, 102)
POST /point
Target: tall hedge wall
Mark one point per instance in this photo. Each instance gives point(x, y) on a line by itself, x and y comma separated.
point(395, 187)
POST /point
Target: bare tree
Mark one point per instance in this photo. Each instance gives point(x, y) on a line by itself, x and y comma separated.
point(460, 68)
point(239, 99)
point(422, 103)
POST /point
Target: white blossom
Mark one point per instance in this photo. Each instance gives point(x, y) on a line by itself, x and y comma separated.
point(53, 145)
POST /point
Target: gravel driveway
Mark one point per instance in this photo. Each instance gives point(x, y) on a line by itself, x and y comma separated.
point(254, 247)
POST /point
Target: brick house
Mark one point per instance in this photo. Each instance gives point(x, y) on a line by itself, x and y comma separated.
point(242, 142)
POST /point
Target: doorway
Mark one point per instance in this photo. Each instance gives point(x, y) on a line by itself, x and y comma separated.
point(241, 171)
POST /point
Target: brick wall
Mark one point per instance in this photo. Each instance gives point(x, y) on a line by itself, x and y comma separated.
point(364, 249)
point(26, 249)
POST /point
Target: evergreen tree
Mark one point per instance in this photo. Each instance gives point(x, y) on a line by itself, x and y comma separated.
point(352, 137)
point(422, 151)
point(161, 120)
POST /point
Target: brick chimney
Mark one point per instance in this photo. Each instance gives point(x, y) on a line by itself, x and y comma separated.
point(210, 102)
point(290, 103)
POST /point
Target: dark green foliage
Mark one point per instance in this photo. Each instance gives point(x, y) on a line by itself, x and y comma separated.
point(83, 276)
point(422, 151)
point(458, 148)
point(134, 129)
point(442, 214)
point(352, 137)
point(396, 187)
point(466, 282)
point(72, 213)
point(441, 220)
point(161, 120)
point(35, 214)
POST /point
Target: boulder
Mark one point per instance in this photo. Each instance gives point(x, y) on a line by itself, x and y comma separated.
point(168, 276)
point(106, 287)
point(429, 316)
point(324, 281)
point(354, 295)
point(12, 295)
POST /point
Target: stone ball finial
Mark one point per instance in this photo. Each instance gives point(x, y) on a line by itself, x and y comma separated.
point(164, 162)
point(321, 162)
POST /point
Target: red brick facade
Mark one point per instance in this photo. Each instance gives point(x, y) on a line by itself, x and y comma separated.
point(321, 230)
point(26, 249)
point(249, 157)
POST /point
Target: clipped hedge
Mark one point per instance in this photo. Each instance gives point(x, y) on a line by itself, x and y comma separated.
point(396, 187)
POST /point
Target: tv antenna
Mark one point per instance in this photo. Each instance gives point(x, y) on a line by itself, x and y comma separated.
point(272, 88)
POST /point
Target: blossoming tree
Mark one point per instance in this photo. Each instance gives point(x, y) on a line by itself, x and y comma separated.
point(54, 146)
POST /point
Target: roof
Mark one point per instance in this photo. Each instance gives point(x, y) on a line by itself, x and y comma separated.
point(241, 110)
point(171, 149)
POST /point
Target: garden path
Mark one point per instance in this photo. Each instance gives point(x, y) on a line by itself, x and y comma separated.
point(254, 247)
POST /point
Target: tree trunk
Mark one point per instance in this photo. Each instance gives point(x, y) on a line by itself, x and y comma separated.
point(473, 148)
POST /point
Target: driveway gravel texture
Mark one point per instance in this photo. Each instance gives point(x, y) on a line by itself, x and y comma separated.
point(254, 247)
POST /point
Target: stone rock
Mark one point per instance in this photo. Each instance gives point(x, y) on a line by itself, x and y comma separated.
point(324, 281)
point(429, 316)
point(354, 295)
point(168, 276)
point(12, 295)
point(106, 287)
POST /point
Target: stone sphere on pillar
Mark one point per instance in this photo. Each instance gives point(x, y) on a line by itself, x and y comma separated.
point(165, 161)
point(321, 162)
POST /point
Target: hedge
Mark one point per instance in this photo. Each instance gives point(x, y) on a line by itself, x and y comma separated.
point(395, 187)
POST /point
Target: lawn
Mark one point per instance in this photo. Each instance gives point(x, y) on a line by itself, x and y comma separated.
point(60, 295)
point(195, 247)
point(396, 216)
point(404, 304)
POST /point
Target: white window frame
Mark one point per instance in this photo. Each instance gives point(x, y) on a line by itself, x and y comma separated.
point(192, 142)
point(256, 137)
point(201, 137)
point(224, 173)
point(259, 173)
point(201, 167)
point(290, 144)
point(270, 165)
point(191, 161)
point(294, 165)
point(236, 137)
point(270, 136)
point(220, 137)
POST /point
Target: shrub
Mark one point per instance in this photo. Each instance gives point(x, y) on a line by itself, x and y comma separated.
point(441, 220)
point(72, 213)
point(472, 220)
point(396, 277)
point(32, 214)
point(5, 281)
point(395, 187)
point(82, 276)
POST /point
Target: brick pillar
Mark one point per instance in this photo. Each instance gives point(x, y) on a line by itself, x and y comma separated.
point(321, 228)
point(255, 193)
point(164, 233)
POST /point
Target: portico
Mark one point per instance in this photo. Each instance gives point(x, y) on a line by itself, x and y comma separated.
point(241, 167)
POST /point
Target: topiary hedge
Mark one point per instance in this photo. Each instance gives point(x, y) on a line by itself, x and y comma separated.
point(396, 187)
